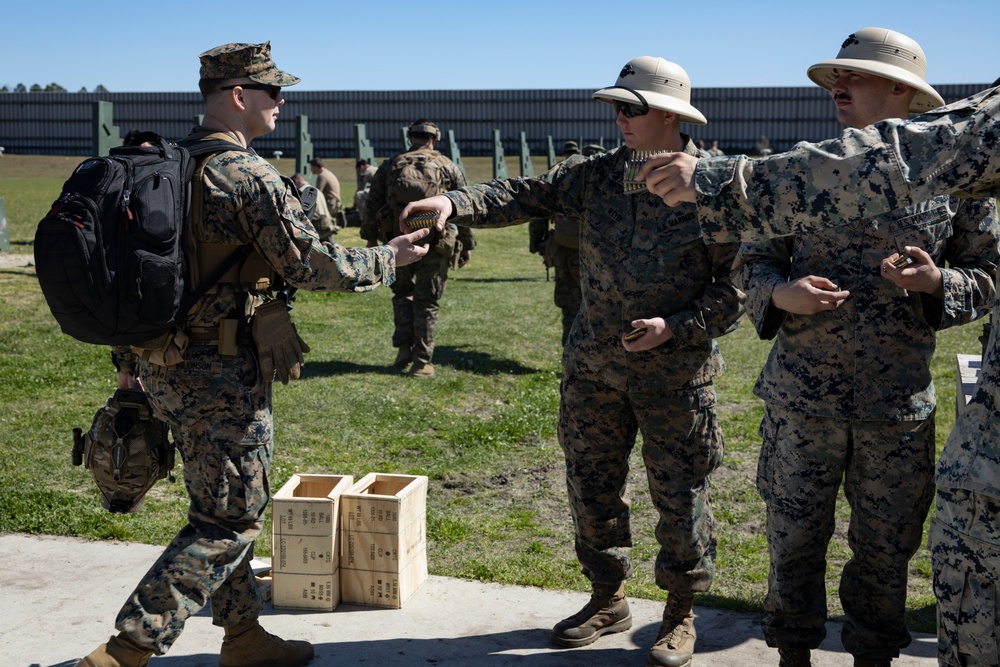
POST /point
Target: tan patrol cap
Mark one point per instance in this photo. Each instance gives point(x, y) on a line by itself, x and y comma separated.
point(659, 83)
point(249, 61)
point(886, 53)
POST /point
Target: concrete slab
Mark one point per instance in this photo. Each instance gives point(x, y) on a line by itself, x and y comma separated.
point(59, 597)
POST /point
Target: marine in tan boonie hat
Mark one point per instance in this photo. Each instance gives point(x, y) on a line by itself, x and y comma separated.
point(244, 61)
point(656, 83)
point(885, 53)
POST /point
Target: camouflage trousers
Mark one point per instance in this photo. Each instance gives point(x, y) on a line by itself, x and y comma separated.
point(220, 412)
point(965, 555)
point(682, 445)
point(568, 296)
point(416, 295)
point(887, 470)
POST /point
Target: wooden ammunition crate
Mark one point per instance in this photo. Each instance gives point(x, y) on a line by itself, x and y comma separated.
point(320, 592)
point(305, 517)
point(383, 541)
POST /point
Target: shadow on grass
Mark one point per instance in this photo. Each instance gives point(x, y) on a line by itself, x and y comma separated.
point(452, 276)
point(331, 367)
point(923, 619)
point(460, 358)
point(481, 363)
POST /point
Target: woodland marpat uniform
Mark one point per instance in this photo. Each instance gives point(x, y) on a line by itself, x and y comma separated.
point(869, 172)
point(638, 259)
point(219, 407)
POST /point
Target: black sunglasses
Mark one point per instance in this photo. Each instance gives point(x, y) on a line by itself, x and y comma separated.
point(271, 90)
point(630, 110)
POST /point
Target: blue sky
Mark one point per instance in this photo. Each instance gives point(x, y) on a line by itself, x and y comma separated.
point(391, 45)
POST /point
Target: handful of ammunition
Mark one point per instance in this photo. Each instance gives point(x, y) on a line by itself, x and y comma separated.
point(902, 261)
point(633, 163)
point(635, 334)
point(422, 220)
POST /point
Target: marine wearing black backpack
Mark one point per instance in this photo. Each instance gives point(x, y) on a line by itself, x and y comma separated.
point(111, 257)
point(410, 176)
point(217, 397)
point(111, 253)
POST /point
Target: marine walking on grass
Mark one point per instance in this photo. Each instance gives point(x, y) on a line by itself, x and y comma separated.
point(408, 176)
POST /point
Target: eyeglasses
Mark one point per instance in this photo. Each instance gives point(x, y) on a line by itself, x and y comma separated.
point(271, 90)
point(630, 110)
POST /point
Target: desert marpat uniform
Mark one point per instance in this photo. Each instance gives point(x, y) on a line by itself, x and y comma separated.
point(219, 407)
point(849, 391)
point(638, 259)
point(419, 287)
point(868, 172)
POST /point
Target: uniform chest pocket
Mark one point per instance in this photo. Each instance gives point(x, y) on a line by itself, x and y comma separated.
point(683, 231)
point(925, 230)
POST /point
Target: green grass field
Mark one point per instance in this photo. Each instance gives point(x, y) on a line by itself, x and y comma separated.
point(483, 429)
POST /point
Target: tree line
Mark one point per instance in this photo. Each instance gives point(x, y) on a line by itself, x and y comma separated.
point(51, 88)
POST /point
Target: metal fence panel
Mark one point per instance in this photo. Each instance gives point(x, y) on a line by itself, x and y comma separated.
point(60, 123)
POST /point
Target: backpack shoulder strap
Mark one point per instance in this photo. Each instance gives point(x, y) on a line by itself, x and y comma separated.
point(202, 150)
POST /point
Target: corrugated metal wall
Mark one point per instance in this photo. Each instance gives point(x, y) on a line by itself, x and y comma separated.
point(60, 123)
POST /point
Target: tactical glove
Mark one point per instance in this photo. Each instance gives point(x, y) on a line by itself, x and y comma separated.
point(279, 347)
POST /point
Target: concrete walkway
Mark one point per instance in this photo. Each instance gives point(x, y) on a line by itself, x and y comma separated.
point(59, 598)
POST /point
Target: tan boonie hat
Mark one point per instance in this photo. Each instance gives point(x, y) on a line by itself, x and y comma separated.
point(571, 147)
point(885, 53)
point(244, 61)
point(656, 82)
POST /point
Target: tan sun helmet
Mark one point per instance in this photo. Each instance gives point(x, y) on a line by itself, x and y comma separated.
point(886, 53)
point(656, 82)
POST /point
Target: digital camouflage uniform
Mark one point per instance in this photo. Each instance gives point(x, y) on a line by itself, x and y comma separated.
point(219, 407)
point(869, 172)
point(419, 287)
point(560, 245)
point(638, 259)
point(849, 397)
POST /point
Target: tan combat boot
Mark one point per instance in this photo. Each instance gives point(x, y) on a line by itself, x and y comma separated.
point(606, 612)
point(793, 657)
point(120, 651)
point(675, 642)
point(249, 645)
point(422, 370)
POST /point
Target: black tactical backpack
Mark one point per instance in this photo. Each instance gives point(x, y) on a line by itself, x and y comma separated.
point(110, 254)
point(126, 450)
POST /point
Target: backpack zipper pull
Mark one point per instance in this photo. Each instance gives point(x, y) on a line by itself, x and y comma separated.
point(59, 203)
point(126, 200)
